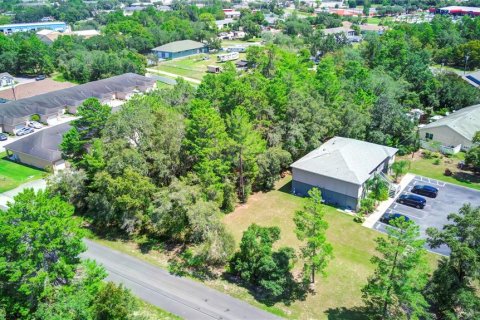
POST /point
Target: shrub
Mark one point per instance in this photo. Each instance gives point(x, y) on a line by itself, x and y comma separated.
point(367, 205)
point(448, 172)
point(35, 117)
point(358, 218)
point(436, 162)
point(427, 154)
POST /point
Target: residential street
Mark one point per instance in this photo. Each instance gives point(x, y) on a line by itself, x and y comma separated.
point(183, 297)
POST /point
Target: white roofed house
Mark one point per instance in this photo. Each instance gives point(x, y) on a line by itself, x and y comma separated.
point(340, 168)
point(452, 133)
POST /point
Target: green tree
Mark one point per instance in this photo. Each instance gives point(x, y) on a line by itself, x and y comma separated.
point(206, 143)
point(311, 228)
point(114, 302)
point(41, 243)
point(399, 168)
point(247, 145)
point(453, 290)
point(394, 291)
point(257, 264)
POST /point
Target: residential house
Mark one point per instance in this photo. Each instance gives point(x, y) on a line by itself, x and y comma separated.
point(453, 132)
point(340, 168)
point(178, 49)
point(49, 106)
point(6, 79)
point(40, 149)
point(49, 36)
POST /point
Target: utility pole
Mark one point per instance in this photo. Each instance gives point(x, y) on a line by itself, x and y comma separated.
point(465, 67)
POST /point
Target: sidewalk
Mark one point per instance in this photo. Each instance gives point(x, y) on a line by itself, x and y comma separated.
point(383, 206)
point(9, 195)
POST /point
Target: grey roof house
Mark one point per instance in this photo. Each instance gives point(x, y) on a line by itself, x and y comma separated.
point(14, 114)
point(178, 49)
point(40, 149)
point(339, 168)
point(454, 132)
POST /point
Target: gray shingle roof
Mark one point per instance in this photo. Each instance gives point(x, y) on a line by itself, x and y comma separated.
point(178, 46)
point(51, 102)
point(345, 159)
point(43, 145)
point(465, 121)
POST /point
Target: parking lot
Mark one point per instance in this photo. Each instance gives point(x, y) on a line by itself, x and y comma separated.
point(449, 200)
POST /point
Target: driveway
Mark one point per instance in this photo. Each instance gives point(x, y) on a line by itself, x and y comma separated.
point(449, 200)
point(181, 296)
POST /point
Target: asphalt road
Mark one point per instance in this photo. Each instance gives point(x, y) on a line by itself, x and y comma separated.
point(450, 199)
point(183, 297)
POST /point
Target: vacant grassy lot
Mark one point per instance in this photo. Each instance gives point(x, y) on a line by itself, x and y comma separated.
point(337, 295)
point(14, 174)
point(193, 67)
point(436, 169)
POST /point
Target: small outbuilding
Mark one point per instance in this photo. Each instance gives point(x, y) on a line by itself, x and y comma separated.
point(178, 49)
point(214, 69)
point(340, 168)
point(6, 79)
point(40, 149)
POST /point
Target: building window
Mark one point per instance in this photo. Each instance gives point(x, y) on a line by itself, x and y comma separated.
point(428, 136)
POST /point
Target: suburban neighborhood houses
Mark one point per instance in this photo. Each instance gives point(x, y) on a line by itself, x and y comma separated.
point(239, 160)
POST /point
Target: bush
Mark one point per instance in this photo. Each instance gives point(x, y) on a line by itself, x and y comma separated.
point(367, 205)
point(427, 154)
point(448, 172)
point(359, 219)
point(436, 162)
point(35, 117)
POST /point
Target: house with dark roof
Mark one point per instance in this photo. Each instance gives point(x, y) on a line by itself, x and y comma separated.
point(340, 168)
point(178, 49)
point(40, 149)
point(49, 106)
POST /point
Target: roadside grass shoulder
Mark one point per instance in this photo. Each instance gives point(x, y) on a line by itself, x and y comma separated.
point(13, 174)
point(337, 296)
point(148, 311)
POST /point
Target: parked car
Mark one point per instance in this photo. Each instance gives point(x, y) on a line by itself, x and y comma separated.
point(23, 131)
point(3, 137)
point(425, 190)
point(35, 124)
point(412, 200)
point(387, 218)
point(40, 77)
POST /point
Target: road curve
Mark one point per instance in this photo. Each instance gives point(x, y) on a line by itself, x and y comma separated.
point(181, 296)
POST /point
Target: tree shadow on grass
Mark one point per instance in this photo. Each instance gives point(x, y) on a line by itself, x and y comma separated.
point(466, 177)
point(342, 313)
point(294, 291)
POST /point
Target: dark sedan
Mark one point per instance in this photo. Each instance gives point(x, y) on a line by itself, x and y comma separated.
point(412, 200)
point(425, 190)
point(387, 218)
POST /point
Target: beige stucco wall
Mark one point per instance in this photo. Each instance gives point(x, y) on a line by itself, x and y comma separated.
point(446, 136)
point(31, 161)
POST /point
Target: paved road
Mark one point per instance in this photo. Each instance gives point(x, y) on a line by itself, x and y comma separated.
point(183, 297)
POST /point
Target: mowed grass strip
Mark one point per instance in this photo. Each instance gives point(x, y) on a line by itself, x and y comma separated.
point(436, 170)
point(13, 174)
point(339, 294)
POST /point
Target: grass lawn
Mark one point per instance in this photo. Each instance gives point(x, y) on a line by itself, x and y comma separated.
point(337, 295)
point(150, 312)
point(193, 67)
point(428, 168)
point(13, 174)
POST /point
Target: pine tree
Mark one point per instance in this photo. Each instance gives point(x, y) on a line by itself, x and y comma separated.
point(311, 226)
point(394, 291)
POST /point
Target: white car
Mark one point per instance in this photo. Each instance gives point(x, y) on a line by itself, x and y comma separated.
point(35, 124)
